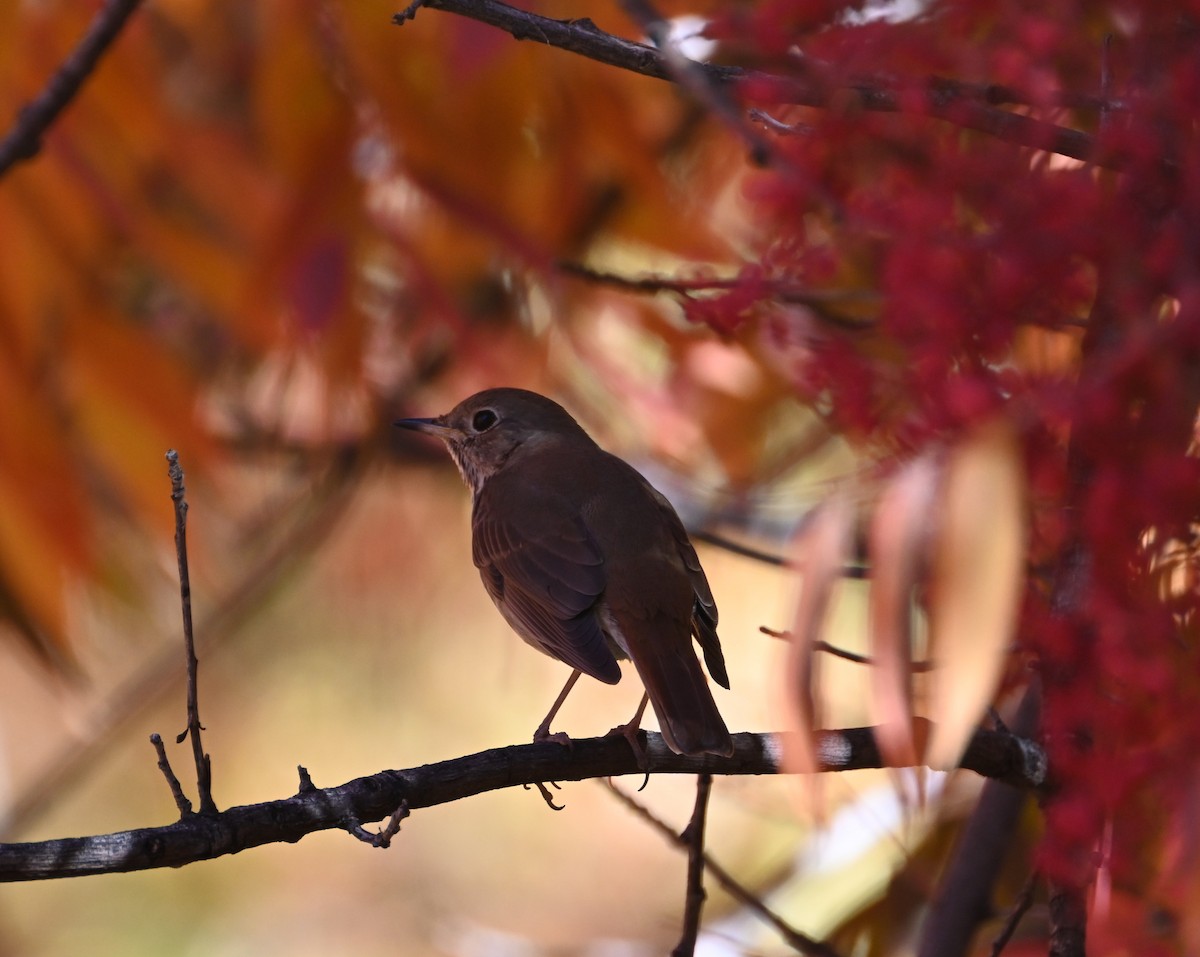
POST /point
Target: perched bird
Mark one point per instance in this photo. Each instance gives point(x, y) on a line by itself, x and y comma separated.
point(586, 560)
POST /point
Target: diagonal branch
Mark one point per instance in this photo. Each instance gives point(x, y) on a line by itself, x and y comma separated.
point(964, 105)
point(25, 138)
point(200, 837)
point(798, 941)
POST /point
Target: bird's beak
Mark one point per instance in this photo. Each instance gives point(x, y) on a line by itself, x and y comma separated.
point(433, 427)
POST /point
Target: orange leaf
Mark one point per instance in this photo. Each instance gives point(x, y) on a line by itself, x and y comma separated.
point(44, 533)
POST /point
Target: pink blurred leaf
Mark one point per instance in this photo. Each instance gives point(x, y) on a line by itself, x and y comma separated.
point(899, 539)
point(821, 549)
point(976, 582)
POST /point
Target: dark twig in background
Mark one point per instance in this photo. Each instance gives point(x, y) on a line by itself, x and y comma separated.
point(693, 839)
point(202, 837)
point(795, 939)
point(25, 138)
point(737, 548)
point(193, 729)
point(1023, 902)
point(916, 667)
point(855, 571)
point(820, 302)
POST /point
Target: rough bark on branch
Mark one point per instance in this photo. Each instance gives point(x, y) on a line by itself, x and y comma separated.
point(198, 837)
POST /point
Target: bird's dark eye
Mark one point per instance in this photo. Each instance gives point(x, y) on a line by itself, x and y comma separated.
point(484, 420)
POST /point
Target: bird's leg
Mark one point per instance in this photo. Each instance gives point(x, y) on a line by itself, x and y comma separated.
point(629, 731)
point(543, 730)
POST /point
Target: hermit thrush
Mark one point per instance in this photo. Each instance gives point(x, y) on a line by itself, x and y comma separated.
point(586, 560)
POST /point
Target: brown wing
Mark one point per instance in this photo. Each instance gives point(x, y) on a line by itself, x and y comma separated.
point(545, 573)
point(704, 610)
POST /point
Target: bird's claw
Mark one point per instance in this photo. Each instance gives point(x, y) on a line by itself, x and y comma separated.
point(546, 795)
point(632, 734)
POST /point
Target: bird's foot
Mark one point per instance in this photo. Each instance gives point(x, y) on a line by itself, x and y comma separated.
point(630, 733)
point(543, 734)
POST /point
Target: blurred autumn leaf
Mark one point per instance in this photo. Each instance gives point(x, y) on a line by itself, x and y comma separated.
point(251, 204)
point(946, 536)
point(976, 583)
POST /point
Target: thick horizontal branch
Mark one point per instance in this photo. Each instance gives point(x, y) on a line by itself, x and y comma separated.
point(962, 104)
point(199, 837)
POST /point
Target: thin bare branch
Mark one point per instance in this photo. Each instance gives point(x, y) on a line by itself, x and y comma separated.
point(24, 140)
point(164, 765)
point(193, 729)
point(308, 523)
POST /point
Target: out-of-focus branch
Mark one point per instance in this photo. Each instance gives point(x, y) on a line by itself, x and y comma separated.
point(823, 303)
point(200, 837)
point(965, 890)
point(694, 897)
point(956, 103)
point(25, 138)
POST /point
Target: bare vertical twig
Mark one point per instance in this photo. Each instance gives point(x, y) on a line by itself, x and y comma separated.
point(164, 765)
point(797, 940)
point(310, 523)
point(693, 901)
point(25, 138)
point(193, 729)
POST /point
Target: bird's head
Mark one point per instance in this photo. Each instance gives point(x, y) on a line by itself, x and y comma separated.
point(484, 430)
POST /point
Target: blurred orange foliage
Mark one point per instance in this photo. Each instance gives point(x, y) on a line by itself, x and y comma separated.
point(246, 196)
